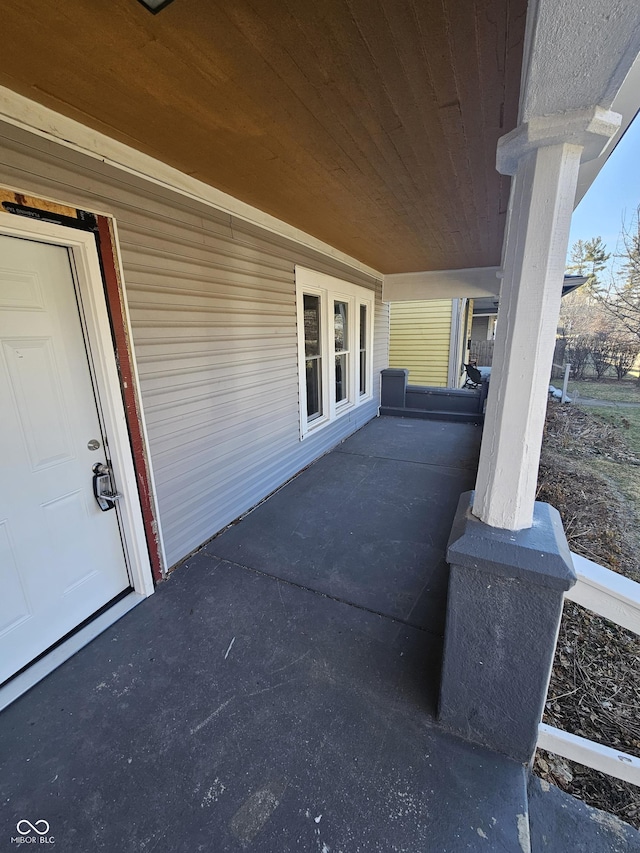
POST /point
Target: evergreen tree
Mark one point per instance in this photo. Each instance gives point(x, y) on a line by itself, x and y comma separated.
point(589, 258)
point(581, 312)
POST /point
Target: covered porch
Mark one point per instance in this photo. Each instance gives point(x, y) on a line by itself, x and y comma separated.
point(293, 703)
point(293, 686)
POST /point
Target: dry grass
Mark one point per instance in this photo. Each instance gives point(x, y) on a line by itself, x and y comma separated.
point(626, 423)
point(594, 693)
point(595, 684)
point(627, 479)
point(625, 391)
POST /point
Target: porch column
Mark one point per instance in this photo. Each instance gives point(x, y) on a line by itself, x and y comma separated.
point(510, 563)
point(543, 155)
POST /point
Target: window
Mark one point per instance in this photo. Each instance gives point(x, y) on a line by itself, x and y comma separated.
point(362, 365)
point(312, 356)
point(341, 349)
point(335, 337)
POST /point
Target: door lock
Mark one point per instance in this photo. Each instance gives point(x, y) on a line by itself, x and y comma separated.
point(103, 490)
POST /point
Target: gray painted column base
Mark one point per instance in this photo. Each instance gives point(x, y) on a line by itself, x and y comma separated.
point(503, 614)
point(393, 391)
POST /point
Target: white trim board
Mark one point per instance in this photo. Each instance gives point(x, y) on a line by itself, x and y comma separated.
point(19, 685)
point(606, 593)
point(28, 115)
point(328, 289)
point(97, 328)
point(474, 282)
point(620, 765)
point(455, 334)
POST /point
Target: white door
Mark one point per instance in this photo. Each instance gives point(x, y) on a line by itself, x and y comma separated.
point(61, 557)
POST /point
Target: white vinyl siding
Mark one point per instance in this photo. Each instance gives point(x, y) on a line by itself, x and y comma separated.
point(212, 302)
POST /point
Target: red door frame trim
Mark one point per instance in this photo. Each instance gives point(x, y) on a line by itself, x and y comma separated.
point(117, 315)
point(14, 202)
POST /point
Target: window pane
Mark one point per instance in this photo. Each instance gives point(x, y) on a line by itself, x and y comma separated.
point(311, 325)
point(363, 372)
point(314, 387)
point(341, 378)
point(340, 325)
point(362, 366)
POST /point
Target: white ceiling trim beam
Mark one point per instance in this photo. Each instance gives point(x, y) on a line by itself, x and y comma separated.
point(441, 284)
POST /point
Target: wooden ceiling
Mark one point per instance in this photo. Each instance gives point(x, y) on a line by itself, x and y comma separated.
point(370, 124)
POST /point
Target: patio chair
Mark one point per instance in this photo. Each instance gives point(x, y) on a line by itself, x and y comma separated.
point(474, 377)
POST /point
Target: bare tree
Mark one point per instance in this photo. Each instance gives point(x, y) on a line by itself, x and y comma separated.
point(600, 354)
point(601, 327)
point(624, 354)
point(577, 354)
point(623, 298)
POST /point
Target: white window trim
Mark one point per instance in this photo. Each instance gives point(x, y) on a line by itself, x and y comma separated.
point(331, 289)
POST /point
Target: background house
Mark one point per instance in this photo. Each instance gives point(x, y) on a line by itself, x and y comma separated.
point(485, 316)
point(433, 339)
point(430, 339)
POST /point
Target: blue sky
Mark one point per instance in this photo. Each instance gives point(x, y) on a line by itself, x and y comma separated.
point(614, 193)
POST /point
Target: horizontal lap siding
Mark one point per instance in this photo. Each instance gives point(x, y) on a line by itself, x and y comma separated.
point(215, 338)
point(213, 314)
point(480, 329)
point(420, 332)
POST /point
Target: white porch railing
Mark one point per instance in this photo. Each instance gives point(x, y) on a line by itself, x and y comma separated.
point(565, 370)
point(616, 598)
point(606, 593)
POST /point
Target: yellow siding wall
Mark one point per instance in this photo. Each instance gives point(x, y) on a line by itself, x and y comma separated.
point(419, 340)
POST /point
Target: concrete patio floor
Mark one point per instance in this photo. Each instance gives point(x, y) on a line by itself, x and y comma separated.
point(278, 692)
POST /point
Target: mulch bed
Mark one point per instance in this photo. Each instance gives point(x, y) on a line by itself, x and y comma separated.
point(595, 684)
